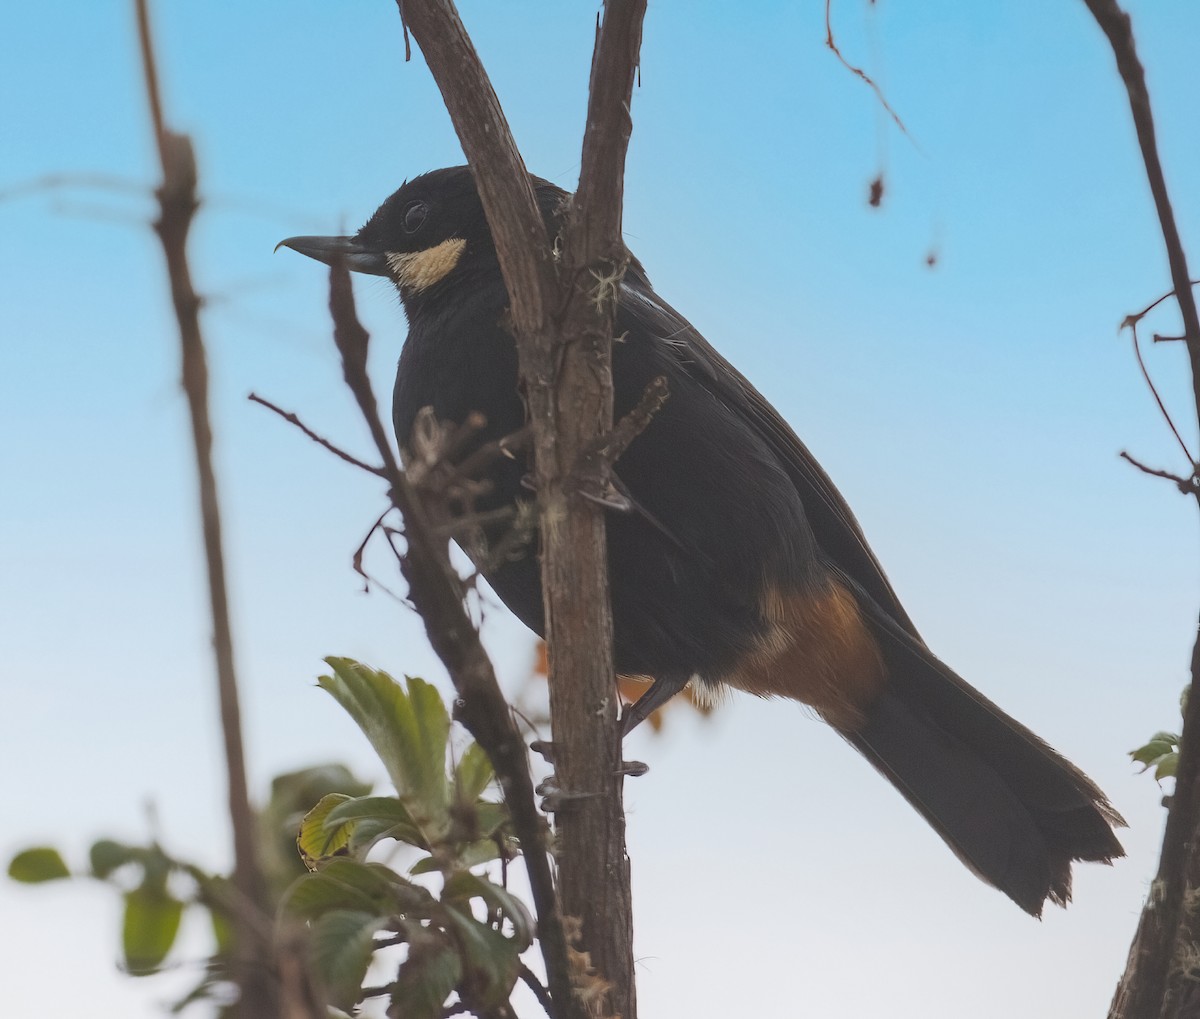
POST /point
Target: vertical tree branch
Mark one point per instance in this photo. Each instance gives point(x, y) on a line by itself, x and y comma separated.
point(1160, 978)
point(177, 203)
point(595, 878)
point(500, 174)
point(564, 335)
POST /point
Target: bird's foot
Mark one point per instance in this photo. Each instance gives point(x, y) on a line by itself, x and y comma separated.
point(545, 748)
point(556, 800)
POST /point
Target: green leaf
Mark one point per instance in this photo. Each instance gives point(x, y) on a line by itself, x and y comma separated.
point(41, 863)
point(314, 895)
point(1166, 767)
point(473, 774)
point(223, 932)
point(490, 960)
point(464, 886)
point(387, 815)
point(361, 887)
point(318, 842)
point(409, 731)
point(370, 831)
point(491, 816)
point(472, 854)
point(156, 866)
point(341, 946)
point(296, 789)
point(291, 795)
point(427, 978)
point(107, 855)
point(148, 932)
point(1151, 752)
point(475, 853)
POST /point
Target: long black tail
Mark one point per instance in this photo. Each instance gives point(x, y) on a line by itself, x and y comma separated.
point(1012, 809)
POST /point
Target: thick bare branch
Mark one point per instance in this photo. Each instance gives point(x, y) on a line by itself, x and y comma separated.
point(594, 881)
point(1159, 976)
point(597, 206)
point(1119, 30)
point(564, 333)
point(500, 174)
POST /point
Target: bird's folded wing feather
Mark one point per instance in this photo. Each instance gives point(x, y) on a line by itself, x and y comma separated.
point(837, 532)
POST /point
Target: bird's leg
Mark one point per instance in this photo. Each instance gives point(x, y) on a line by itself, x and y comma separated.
point(661, 690)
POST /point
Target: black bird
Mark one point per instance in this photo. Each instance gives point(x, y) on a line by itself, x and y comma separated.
point(740, 564)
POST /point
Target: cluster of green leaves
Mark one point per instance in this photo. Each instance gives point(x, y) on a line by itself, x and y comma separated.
point(462, 933)
point(1161, 753)
point(158, 888)
point(153, 906)
point(465, 940)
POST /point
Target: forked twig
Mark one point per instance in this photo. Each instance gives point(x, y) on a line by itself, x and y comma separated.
point(1137, 352)
point(1188, 486)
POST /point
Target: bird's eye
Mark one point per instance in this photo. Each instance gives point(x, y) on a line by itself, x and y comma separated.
point(414, 216)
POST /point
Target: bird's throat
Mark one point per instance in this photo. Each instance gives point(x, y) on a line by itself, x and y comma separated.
point(418, 270)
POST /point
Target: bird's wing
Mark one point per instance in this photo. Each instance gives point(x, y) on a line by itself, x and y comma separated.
point(837, 532)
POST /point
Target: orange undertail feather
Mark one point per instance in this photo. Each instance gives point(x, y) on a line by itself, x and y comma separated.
point(817, 650)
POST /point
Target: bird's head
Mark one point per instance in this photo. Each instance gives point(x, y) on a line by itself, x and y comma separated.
point(428, 237)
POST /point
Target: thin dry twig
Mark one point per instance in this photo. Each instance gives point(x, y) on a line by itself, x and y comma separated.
point(530, 980)
point(1186, 485)
point(632, 425)
point(509, 446)
point(357, 559)
point(1135, 318)
point(52, 182)
point(292, 419)
point(858, 72)
point(178, 204)
point(437, 593)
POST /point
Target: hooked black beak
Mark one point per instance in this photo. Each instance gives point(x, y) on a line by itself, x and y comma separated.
point(348, 251)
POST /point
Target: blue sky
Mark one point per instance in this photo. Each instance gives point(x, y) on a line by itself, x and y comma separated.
point(972, 415)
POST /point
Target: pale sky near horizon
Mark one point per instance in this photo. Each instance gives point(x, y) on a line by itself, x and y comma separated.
point(971, 413)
